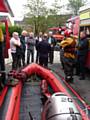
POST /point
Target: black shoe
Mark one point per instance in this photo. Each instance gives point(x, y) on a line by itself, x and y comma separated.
point(69, 79)
point(77, 74)
point(82, 78)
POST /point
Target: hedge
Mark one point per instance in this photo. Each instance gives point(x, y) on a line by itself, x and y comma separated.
point(12, 29)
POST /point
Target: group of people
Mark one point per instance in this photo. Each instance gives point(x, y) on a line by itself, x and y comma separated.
point(43, 43)
point(73, 55)
point(73, 52)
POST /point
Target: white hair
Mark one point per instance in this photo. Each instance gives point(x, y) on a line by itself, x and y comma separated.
point(31, 34)
point(15, 33)
point(24, 32)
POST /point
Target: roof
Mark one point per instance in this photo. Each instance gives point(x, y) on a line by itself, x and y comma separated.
point(5, 7)
point(85, 7)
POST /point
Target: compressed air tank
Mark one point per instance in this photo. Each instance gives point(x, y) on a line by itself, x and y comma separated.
point(60, 107)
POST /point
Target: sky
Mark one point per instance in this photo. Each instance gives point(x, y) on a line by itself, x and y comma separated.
point(18, 9)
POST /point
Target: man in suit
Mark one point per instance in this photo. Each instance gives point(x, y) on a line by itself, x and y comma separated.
point(44, 49)
point(52, 43)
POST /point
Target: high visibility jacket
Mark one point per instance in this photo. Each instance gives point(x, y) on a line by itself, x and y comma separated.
point(1, 35)
point(68, 45)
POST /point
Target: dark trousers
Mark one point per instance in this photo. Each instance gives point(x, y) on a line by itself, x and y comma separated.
point(23, 58)
point(81, 65)
point(62, 57)
point(14, 61)
point(18, 61)
point(51, 56)
point(30, 52)
point(37, 56)
point(68, 68)
point(43, 61)
point(2, 64)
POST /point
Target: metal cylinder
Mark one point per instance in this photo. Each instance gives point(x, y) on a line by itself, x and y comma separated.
point(60, 107)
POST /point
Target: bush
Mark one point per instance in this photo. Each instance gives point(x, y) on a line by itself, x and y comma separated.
point(15, 29)
point(12, 29)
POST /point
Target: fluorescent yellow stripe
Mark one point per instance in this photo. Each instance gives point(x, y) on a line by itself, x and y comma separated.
point(1, 35)
point(85, 15)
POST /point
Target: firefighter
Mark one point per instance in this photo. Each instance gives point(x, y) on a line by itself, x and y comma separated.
point(2, 63)
point(68, 44)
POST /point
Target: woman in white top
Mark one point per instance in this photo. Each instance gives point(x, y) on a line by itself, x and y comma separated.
point(14, 42)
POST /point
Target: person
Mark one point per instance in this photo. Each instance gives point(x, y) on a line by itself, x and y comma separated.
point(22, 40)
point(30, 47)
point(2, 62)
point(68, 44)
point(82, 48)
point(14, 45)
point(43, 49)
point(38, 39)
point(52, 43)
point(62, 56)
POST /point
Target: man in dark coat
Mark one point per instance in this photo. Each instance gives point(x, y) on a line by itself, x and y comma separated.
point(43, 49)
point(82, 49)
point(30, 47)
point(38, 39)
point(22, 40)
point(52, 42)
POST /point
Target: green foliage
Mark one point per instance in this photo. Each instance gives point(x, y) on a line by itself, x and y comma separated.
point(37, 10)
point(38, 24)
point(75, 5)
point(15, 29)
point(51, 21)
point(40, 17)
point(3, 28)
point(12, 29)
point(56, 7)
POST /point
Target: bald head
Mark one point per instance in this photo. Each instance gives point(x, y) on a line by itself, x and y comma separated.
point(45, 36)
point(50, 33)
point(82, 34)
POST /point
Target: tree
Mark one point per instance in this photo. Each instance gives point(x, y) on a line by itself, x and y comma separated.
point(55, 11)
point(55, 7)
point(75, 5)
point(36, 11)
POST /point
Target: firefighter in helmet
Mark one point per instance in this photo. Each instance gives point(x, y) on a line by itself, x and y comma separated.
point(68, 44)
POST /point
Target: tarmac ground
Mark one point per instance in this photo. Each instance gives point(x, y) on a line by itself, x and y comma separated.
point(82, 87)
